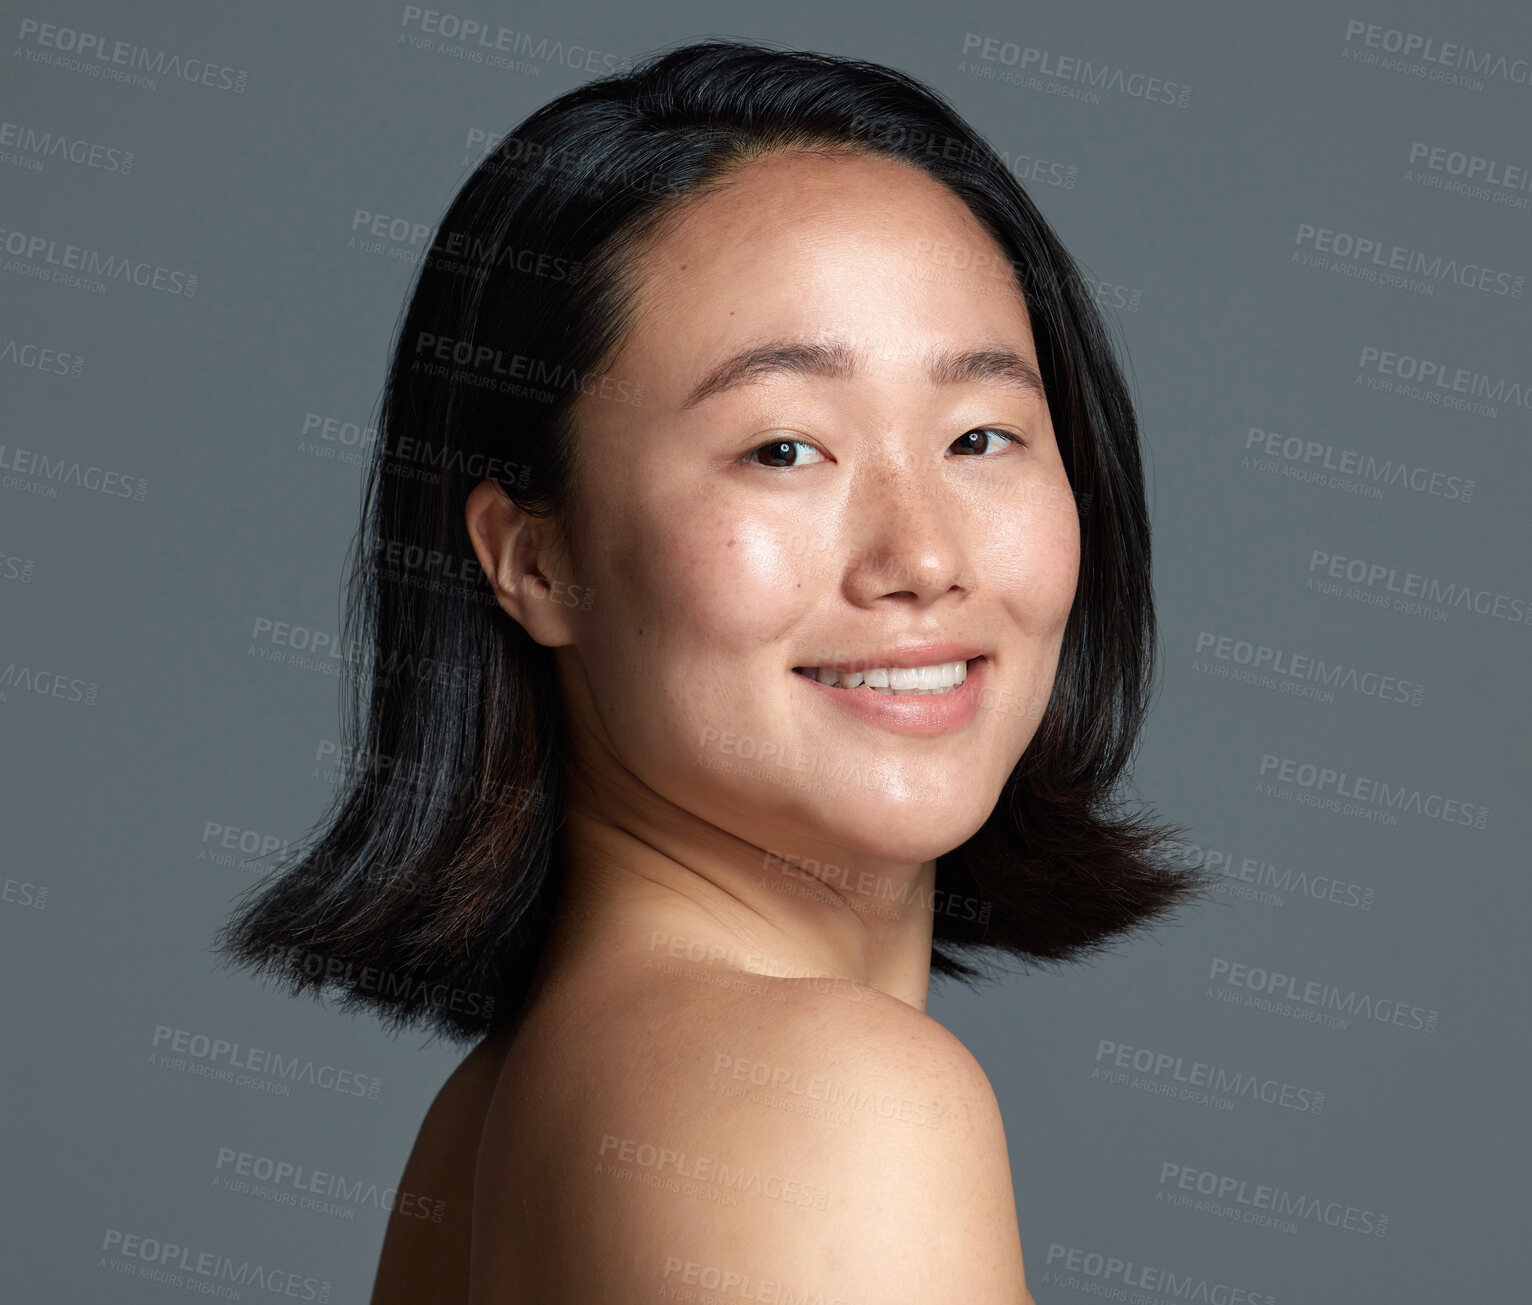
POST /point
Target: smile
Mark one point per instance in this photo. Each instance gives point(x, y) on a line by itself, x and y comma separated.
point(942, 677)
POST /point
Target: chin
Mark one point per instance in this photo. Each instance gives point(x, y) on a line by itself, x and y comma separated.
point(903, 831)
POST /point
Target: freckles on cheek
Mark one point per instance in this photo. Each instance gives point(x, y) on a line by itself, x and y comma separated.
point(769, 556)
point(744, 578)
point(1038, 574)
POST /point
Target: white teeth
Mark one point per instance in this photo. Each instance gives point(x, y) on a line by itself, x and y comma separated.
point(941, 678)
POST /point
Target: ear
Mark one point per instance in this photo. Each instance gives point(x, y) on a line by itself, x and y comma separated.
point(524, 570)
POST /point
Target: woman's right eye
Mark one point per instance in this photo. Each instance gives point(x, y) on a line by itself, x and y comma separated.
point(781, 453)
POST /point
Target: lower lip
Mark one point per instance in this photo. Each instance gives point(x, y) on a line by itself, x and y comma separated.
point(910, 713)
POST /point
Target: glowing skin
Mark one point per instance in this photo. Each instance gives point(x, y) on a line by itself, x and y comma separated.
point(715, 574)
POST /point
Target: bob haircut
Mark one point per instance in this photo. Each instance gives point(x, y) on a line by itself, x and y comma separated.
point(427, 890)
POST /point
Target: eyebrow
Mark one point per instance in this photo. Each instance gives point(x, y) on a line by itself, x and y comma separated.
point(839, 361)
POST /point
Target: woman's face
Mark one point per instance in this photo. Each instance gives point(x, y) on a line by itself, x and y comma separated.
point(902, 511)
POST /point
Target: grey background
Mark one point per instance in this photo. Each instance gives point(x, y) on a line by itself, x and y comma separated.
point(138, 713)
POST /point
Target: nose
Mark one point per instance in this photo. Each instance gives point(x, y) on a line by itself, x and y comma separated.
point(905, 538)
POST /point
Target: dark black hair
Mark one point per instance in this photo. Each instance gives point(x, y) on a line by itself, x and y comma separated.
point(427, 891)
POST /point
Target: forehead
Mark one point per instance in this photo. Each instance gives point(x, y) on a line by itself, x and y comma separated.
point(846, 243)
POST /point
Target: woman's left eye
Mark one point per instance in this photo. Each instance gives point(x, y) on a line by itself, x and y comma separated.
point(981, 431)
point(779, 450)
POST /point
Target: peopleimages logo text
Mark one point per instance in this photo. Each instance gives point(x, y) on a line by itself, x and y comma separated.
point(1433, 50)
point(1327, 996)
point(1376, 792)
point(101, 51)
point(1064, 68)
point(1279, 1202)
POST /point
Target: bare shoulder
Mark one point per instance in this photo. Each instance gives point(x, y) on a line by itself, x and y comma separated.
point(812, 1139)
point(915, 1156)
point(427, 1240)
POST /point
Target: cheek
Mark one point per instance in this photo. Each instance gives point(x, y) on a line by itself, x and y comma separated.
point(1039, 568)
point(714, 597)
point(708, 589)
point(737, 584)
point(1062, 567)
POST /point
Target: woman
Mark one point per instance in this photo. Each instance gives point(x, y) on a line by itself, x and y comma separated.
point(755, 570)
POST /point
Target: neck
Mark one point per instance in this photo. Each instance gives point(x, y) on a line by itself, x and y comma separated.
point(644, 879)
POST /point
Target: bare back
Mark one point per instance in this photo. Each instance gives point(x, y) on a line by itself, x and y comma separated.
point(640, 1135)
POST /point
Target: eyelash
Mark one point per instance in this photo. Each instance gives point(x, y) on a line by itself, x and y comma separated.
point(749, 458)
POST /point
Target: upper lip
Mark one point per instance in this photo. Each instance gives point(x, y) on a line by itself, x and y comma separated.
point(931, 653)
